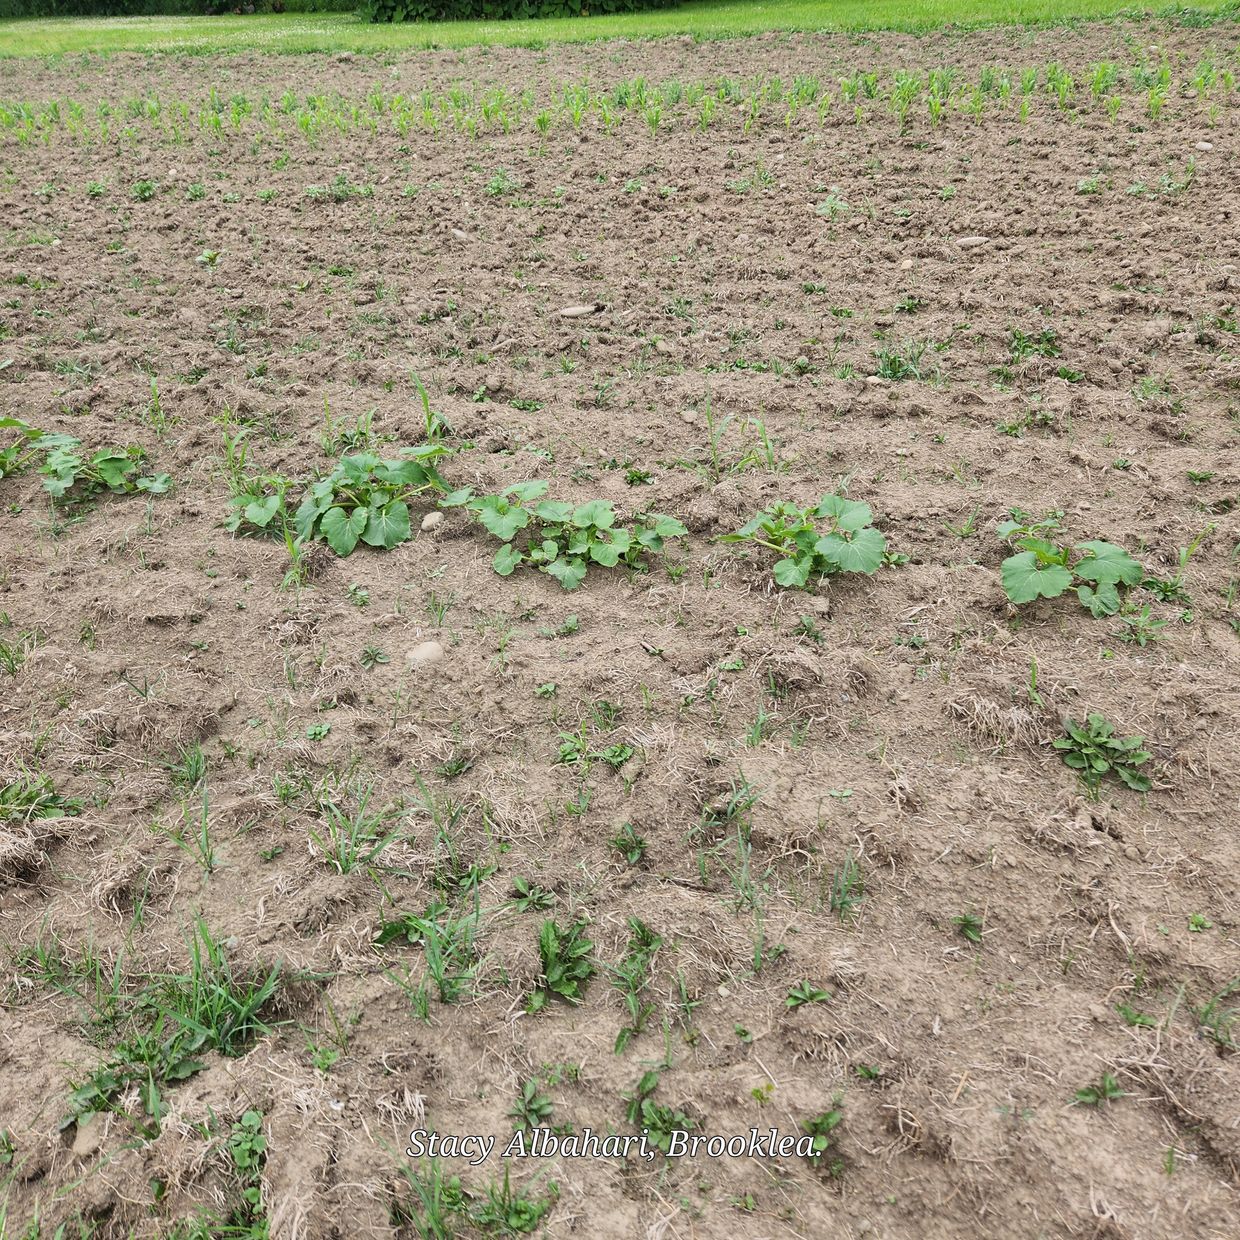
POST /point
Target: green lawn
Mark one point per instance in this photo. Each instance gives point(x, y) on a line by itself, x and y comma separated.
point(703, 18)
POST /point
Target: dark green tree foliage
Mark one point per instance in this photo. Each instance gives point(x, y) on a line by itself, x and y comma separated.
point(166, 8)
point(497, 10)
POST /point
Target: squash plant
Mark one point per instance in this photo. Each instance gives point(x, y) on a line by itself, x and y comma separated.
point(23, 443)
point(111, 469)
point(364, 499)
point(562, 539)
point(257, 503)
point(1043, 568)
point(835, 536)
point(64, 468)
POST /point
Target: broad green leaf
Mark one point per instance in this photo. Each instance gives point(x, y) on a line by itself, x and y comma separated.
point(545, 552)
point(665, 526)
point(606, 554)
point(260, 511)
point(793, 574)
point(1104, 601)
point(51, 440)
point(863, 553)
point(747, 530)
point(1134, 779)
point(598, 513)
point(342, 531)
point(1106, 562)
point(402, 473)
point(182, 1069)
point(570, 573)
point(321, 493)
point(358, 468)
point(504, 525)
point(454, 499)
point(506, 560)
point(113, 465)
point(523, 492)
point(304, 518)
point(548, 940)
point(155, 484)
point(848, 514)
point(1025, 579)
point(553, 511)
point(60, 471)
point(387, 526)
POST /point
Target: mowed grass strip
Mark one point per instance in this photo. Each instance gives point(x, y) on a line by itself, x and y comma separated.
point(703, 19)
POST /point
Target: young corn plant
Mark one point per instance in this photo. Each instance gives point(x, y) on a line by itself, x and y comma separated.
point(836, 536)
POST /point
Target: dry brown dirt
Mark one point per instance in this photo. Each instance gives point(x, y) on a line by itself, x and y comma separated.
point(748, 274)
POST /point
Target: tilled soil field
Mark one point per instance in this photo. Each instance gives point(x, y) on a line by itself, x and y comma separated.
point(302, 851)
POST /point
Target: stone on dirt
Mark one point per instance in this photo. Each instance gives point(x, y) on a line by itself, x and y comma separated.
point(424, 654)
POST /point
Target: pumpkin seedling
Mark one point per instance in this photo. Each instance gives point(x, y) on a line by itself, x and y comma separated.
point(560, 539)
point(1046, 569)
point(836, 536)
point(110, 469)
point(365, 499)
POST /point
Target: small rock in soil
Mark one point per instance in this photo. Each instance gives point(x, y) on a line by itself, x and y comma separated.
point(424, 654)
point(89, 1136)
